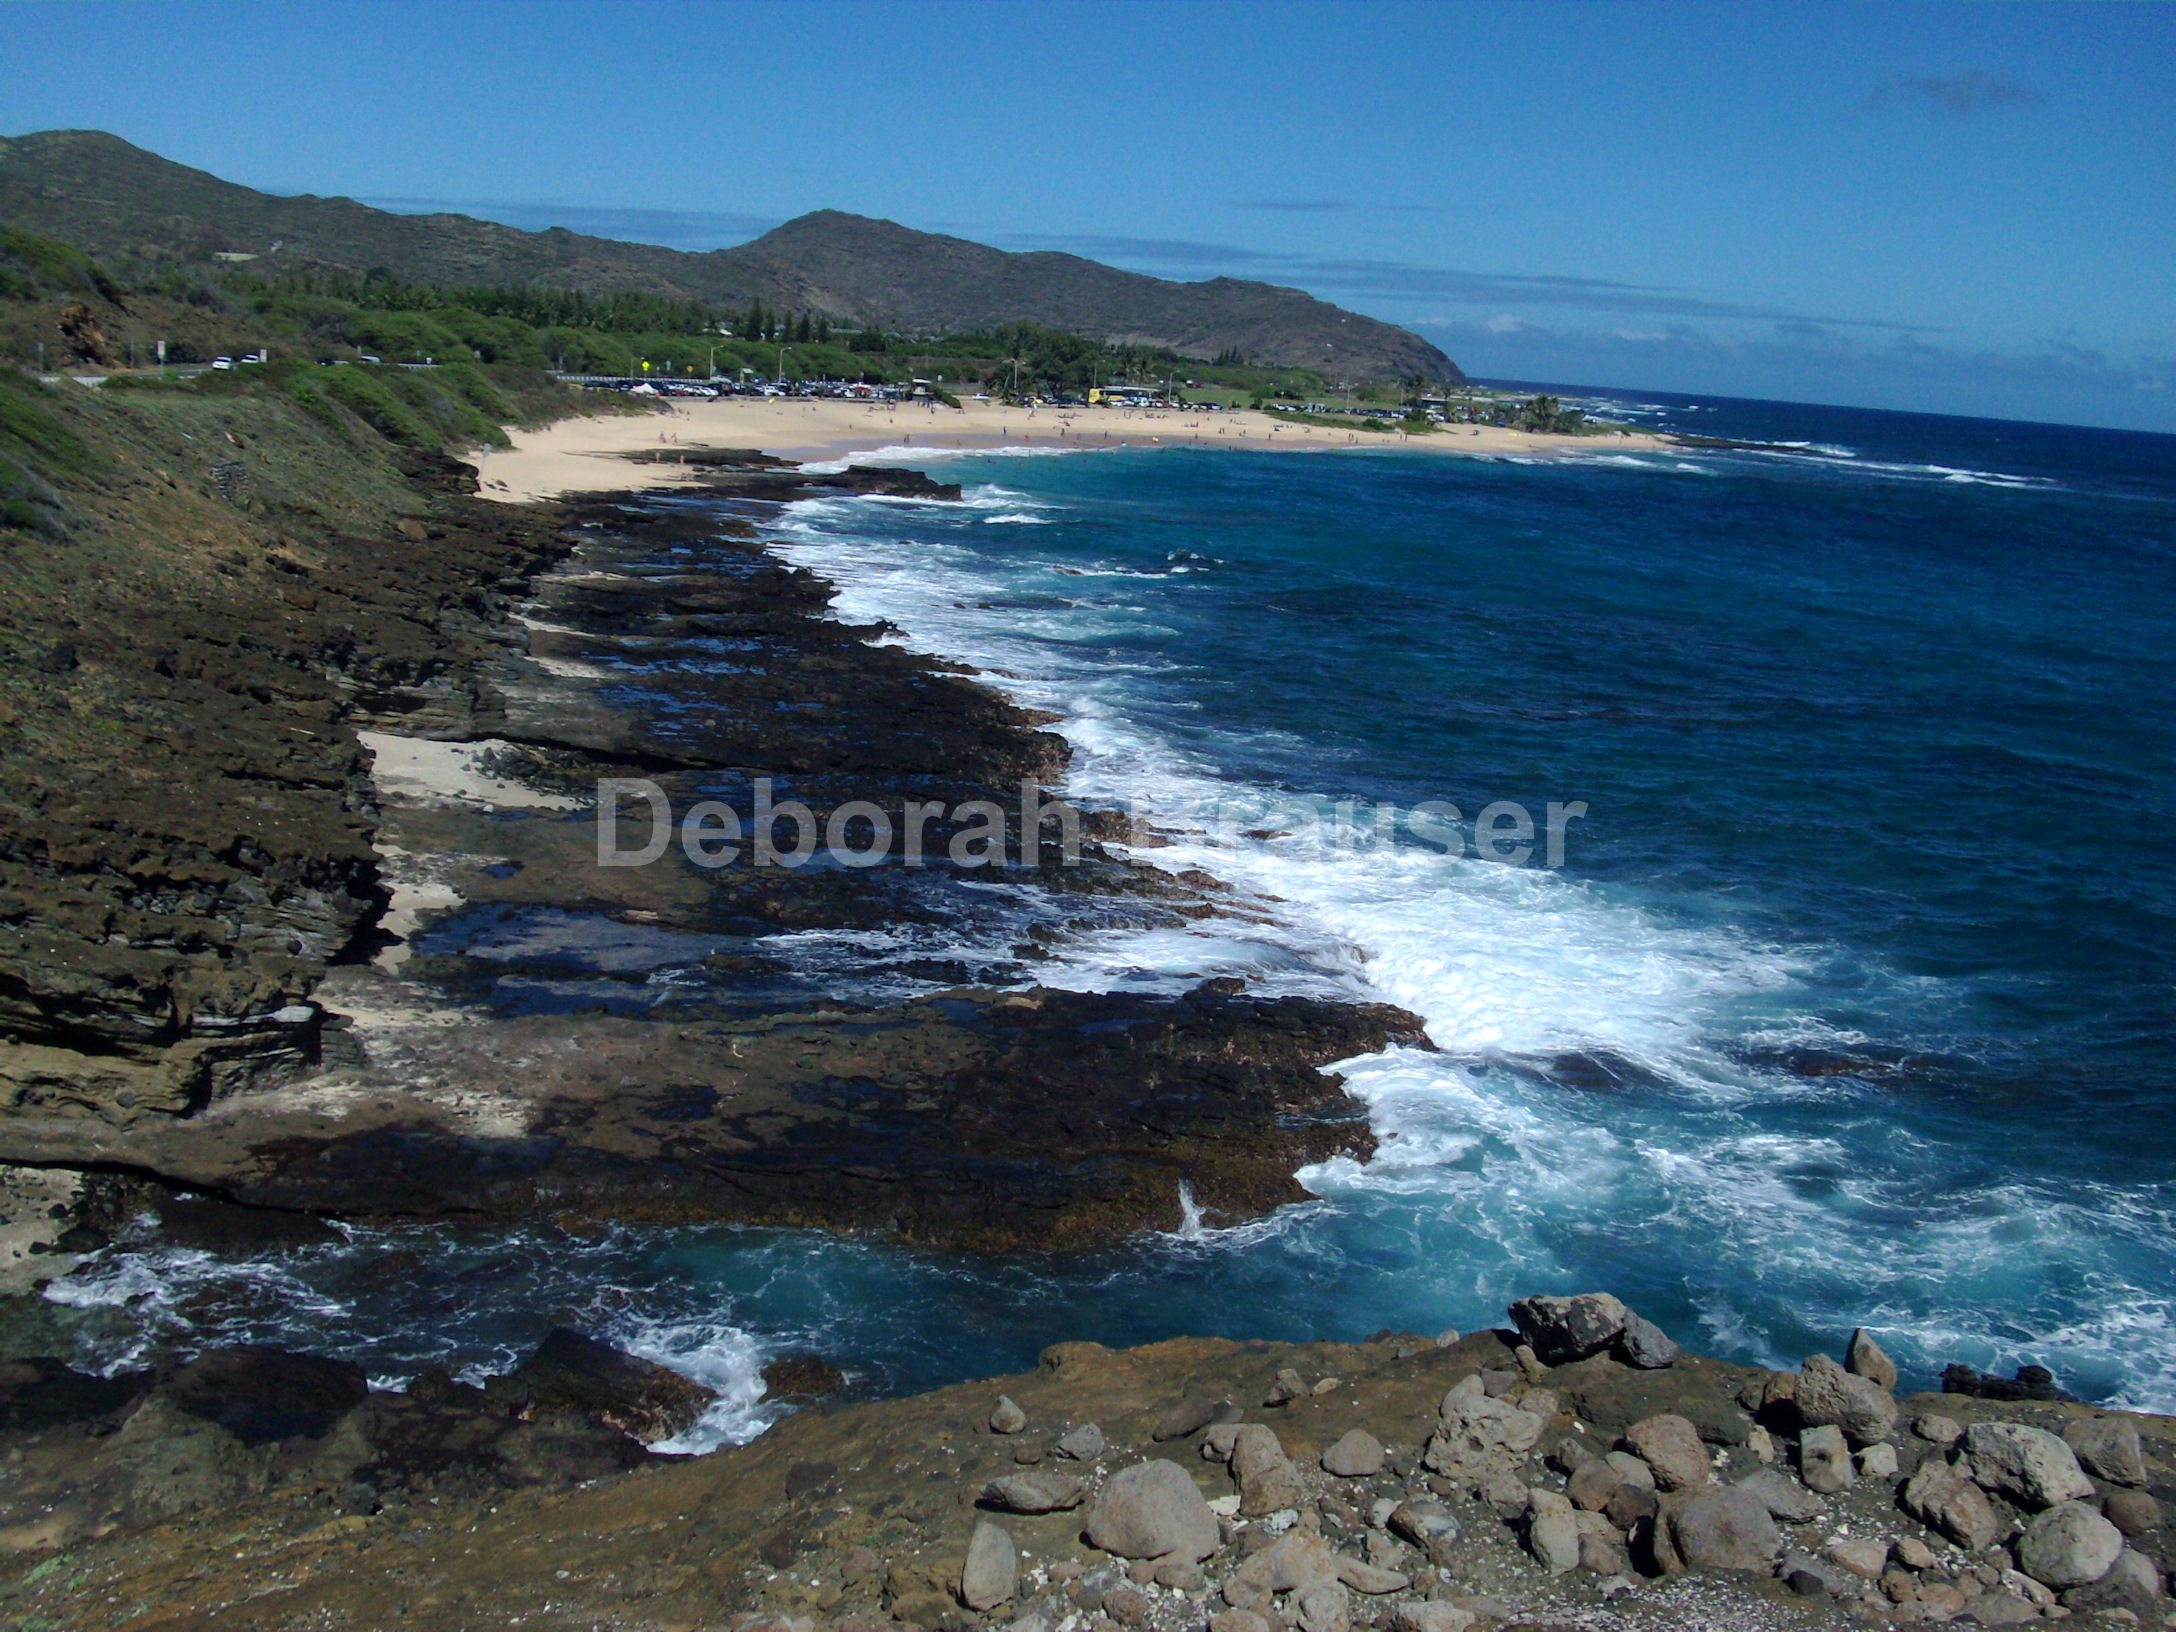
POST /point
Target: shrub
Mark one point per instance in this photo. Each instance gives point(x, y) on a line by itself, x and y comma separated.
point(365, 395)
point(35, 436)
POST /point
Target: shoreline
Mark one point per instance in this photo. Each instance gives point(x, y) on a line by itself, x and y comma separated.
point(246, 1488)
point(590, 454)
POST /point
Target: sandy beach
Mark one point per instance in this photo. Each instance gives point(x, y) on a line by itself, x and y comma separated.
point(583, 454)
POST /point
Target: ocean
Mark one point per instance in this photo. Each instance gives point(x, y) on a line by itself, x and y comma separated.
point(1849, 1004)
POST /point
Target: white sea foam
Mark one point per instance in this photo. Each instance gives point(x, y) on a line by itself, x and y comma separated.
point(1845, 459)
point(1515, 970)
point(1777, 1207)
point(1501, 961)
point(720, 1356)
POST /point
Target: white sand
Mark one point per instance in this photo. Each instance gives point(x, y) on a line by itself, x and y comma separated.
point(416, 771)
point(581, 455)
point(419, 771)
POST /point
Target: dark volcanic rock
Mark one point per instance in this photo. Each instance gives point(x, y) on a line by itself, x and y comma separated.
point(1566, 1329)
point(186, 837)
point(804, 694)
point(571, 1374)
point(158, 946)
point(261, 1394)
point(2030, 1383)
point(1039, 1120)
point(430, 1448)
point(45, 1393)
point(744, 474)
point(220, 1226)
point(801, 1377)
point(1645, 1345)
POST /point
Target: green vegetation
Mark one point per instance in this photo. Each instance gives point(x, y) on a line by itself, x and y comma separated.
point(1332, 422)
point(325, 315)
point(491, 348)
point(35, 445)
point(1543, 413)
point(452, 406)
point(31, 266)
point(141, 215)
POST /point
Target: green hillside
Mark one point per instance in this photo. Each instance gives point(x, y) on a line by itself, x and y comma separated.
point(137, 212)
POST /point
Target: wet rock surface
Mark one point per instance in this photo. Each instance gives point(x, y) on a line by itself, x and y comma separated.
point(572, 1374)
point(1028, 1120)
point(87, 1455)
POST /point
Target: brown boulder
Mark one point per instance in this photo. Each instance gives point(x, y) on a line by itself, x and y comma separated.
point(1725, 1529)
point(1671, 1447)
point(1941, 1498)
point(1866, 1358)
point(1828, 1395)
point(1153, 1510)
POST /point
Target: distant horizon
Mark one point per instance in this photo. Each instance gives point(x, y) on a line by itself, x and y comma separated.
point(1505, 382)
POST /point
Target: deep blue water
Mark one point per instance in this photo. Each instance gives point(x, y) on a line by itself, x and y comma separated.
point(1851, 1003)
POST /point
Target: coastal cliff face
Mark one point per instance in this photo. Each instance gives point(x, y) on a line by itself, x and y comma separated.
point(225, 592)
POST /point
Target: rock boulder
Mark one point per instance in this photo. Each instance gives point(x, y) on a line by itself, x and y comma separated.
point(1726, 1529)
point(1941, 1498)
point(1865, 1358)
point(1266, 1477)
point(1478, 1435)
point(2029, 1465)
point(1561, 1330)
point(2069, 1545)
point(1043, 1491)
point(1824, 1460)
point(1552, 1531)
point(2109, 1449)
point(577, 1375)
point(1645, 1346)
point(988, 1577)
point(1671, 1447)
point(1828, 1395)
point(1357, 1454)
point(1153, 1510)
point(1784, 1497)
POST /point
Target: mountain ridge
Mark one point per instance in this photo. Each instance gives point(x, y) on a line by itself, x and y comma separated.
point(123, 203)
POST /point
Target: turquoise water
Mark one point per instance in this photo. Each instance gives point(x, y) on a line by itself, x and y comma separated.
point(1850, 1004)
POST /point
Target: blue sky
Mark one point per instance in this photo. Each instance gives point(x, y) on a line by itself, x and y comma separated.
point(1962, 208)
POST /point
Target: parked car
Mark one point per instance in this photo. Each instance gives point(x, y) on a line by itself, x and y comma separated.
point(222, 362)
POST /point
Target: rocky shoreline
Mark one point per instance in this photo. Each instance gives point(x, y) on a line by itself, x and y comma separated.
point(1413, 1483)
point(336, 1019)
